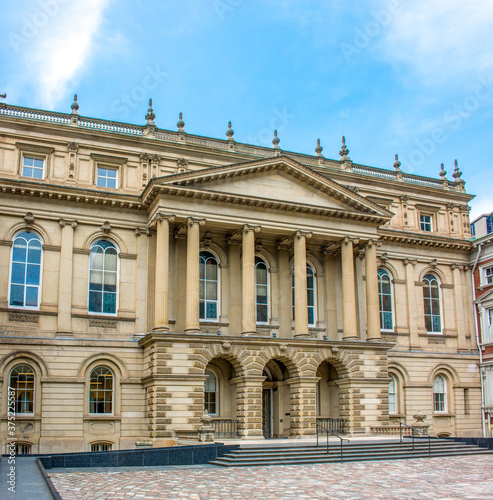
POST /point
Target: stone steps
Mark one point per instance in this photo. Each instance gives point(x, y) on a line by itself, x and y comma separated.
point(306, 454)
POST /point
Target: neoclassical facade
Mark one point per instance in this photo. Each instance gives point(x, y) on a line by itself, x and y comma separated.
point(149, 275)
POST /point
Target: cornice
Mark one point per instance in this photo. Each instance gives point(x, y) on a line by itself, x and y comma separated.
point(388, 235)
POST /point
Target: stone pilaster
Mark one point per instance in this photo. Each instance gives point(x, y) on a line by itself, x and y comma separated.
point(64, 319)
point(348, 291)
point(411, 303)
point(249, 326)
point(192, 324)
point(303, 394)
point(249, 406)
point(300, 294)
point(460, 322)
point(372, 303)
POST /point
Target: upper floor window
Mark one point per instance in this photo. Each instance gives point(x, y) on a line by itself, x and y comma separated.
point(25, 273)
point(385, 299)
point(425, 221)
point(431, 297)
point(439, 394)
point(107, 177)
point(487, 331)
point(489, 224)
point(22, 381)
point(210, 393)
point(310, 294)
point(33, 167)
point(487, 275)
point(101, 391)
point(103, 277)
point(261, 291)
point(209, 280)
point(392, 395)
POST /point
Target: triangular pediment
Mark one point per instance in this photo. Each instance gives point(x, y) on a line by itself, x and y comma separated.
point(280, 181)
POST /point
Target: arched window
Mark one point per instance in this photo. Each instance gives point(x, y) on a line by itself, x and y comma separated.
point(101, 391)
point(103, 277)
point(22, 381)
point(210, 393)
point(431, 297)
point(392, 395)
point(310, 293)
point(439, 394)
point(385, 300)
point(261, 291)
point(25, 273)
point(209, 305)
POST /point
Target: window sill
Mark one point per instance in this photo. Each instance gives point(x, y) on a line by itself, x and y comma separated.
point(107, 317)
point(101, 417)
point(444, 414)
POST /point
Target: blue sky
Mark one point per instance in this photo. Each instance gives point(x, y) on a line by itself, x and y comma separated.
point(411, 77)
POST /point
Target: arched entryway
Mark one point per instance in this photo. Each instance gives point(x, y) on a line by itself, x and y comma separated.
point(328, 398)
point(276, 414)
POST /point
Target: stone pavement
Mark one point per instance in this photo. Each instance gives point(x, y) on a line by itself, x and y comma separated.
point(467, 477)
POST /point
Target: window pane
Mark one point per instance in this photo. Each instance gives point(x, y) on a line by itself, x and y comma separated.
point(427, 304)
point(436, 324)
point(310, 297)
point(38, 163)
point(95, 301)
point(428, 324)
point(261, 274)
point(109, 282)
point(33, 274)
point(19, 252)
point(37, 174)
point(434, 290)
point(97, 258)
point(96, 280)
point(211, 310)
point(31, 296)
point(202, 269)
point(262, 313)
point(211, 291)
point(311, 316)
point(211, 270)
point(29, 162)
point(18, 273)
point(16, 295)
point(261, 294)
point(34, 252)
point(109, 303)
point(202, 309)
point(202, 289)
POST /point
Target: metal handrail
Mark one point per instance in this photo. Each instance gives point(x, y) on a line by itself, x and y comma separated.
point(412, 435)
point(336, 435)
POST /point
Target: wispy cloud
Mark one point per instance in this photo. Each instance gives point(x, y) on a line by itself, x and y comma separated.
point(435, 39)
point(55, 43)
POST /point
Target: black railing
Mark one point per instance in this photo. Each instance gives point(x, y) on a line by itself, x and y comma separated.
point(415, 431)
point(327, 432)
point(337, 425)
point(225, 428)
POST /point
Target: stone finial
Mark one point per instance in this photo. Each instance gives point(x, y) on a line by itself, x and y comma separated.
point(442, 172)
point(75, 106)
point(344, 150)
point(230, 132)
point(180, 124)
point(150, 116)
point(276, 140)
point(319, 148)
point(457, 173)
point(3, 96)
point(397, 164)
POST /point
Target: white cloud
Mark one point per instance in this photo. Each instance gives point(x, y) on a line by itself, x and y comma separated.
point(55, 39)
point(441, 41)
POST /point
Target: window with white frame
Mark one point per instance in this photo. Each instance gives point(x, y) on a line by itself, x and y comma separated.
point(33, 167)
point(392, 395)
point(103, 277)
point(208, 283)
point(487, 331)
point(261, 291)
point(439, 394)
point(385, 299)
point(107, 177)
point(487, 273)
point(101, 391)
point(425, 222)
point(488, 386)
point(25, 271)
point(210, 393)
point(22, 380)
point(431, 298)
point(310, 294)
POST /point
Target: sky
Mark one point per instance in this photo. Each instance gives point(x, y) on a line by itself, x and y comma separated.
point(413, 77)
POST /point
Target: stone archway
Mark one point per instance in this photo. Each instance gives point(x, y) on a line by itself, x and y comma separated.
point(327, 391)
point(276, 400)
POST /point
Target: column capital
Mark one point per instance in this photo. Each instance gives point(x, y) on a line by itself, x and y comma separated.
point(413, 262)
point(249, 227)
point(142, 230)
point(347, 239)
point(195, 220)
point(372, 242)
point(299, 233)
point(159, 217)
point(68, 222)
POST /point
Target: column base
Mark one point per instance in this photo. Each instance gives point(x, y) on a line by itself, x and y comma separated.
point(161, 329)
point(351, 337)
point(302, 336)
point(192, 329)
point(64, 334)
point(374, 339)
point(249, 333)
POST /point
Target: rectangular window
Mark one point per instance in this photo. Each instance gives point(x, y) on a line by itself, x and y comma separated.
point(439, 402)
point(107, 177)
point(489, 224)
point(425, 221)
point(488, 275)
point(487, 332)
point(100, 446)
point(33, 167)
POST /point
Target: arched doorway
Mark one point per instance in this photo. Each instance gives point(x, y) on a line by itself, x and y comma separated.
point(276, 415)
point(327, 391)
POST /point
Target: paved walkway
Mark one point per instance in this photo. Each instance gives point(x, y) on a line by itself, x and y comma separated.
point(29, 482)
point(468, 477)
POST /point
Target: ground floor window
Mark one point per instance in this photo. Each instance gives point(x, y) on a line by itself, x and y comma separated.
point(101, 446)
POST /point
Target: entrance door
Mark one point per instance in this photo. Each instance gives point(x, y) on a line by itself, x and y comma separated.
point(267, 413)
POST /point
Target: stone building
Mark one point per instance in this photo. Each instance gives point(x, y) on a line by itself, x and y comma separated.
point(148, 275)
point(482, 264)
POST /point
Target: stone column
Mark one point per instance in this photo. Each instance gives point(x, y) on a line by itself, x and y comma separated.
point(192, 323)
point(300, 296)
point(141, 273)
point(161, 303)
point(372, 302)
point(248, 326)
point(460, 323)
point(284, 277)
point(249, 406)
point(348, 291)
point(303, 394)
point(330, 295)
point(64, 319)
point(411, 304)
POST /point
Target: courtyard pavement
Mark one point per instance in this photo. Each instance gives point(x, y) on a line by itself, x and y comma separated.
point(450, 478)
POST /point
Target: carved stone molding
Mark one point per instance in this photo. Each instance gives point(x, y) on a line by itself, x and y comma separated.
point(103, 323)
point(18, 317)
